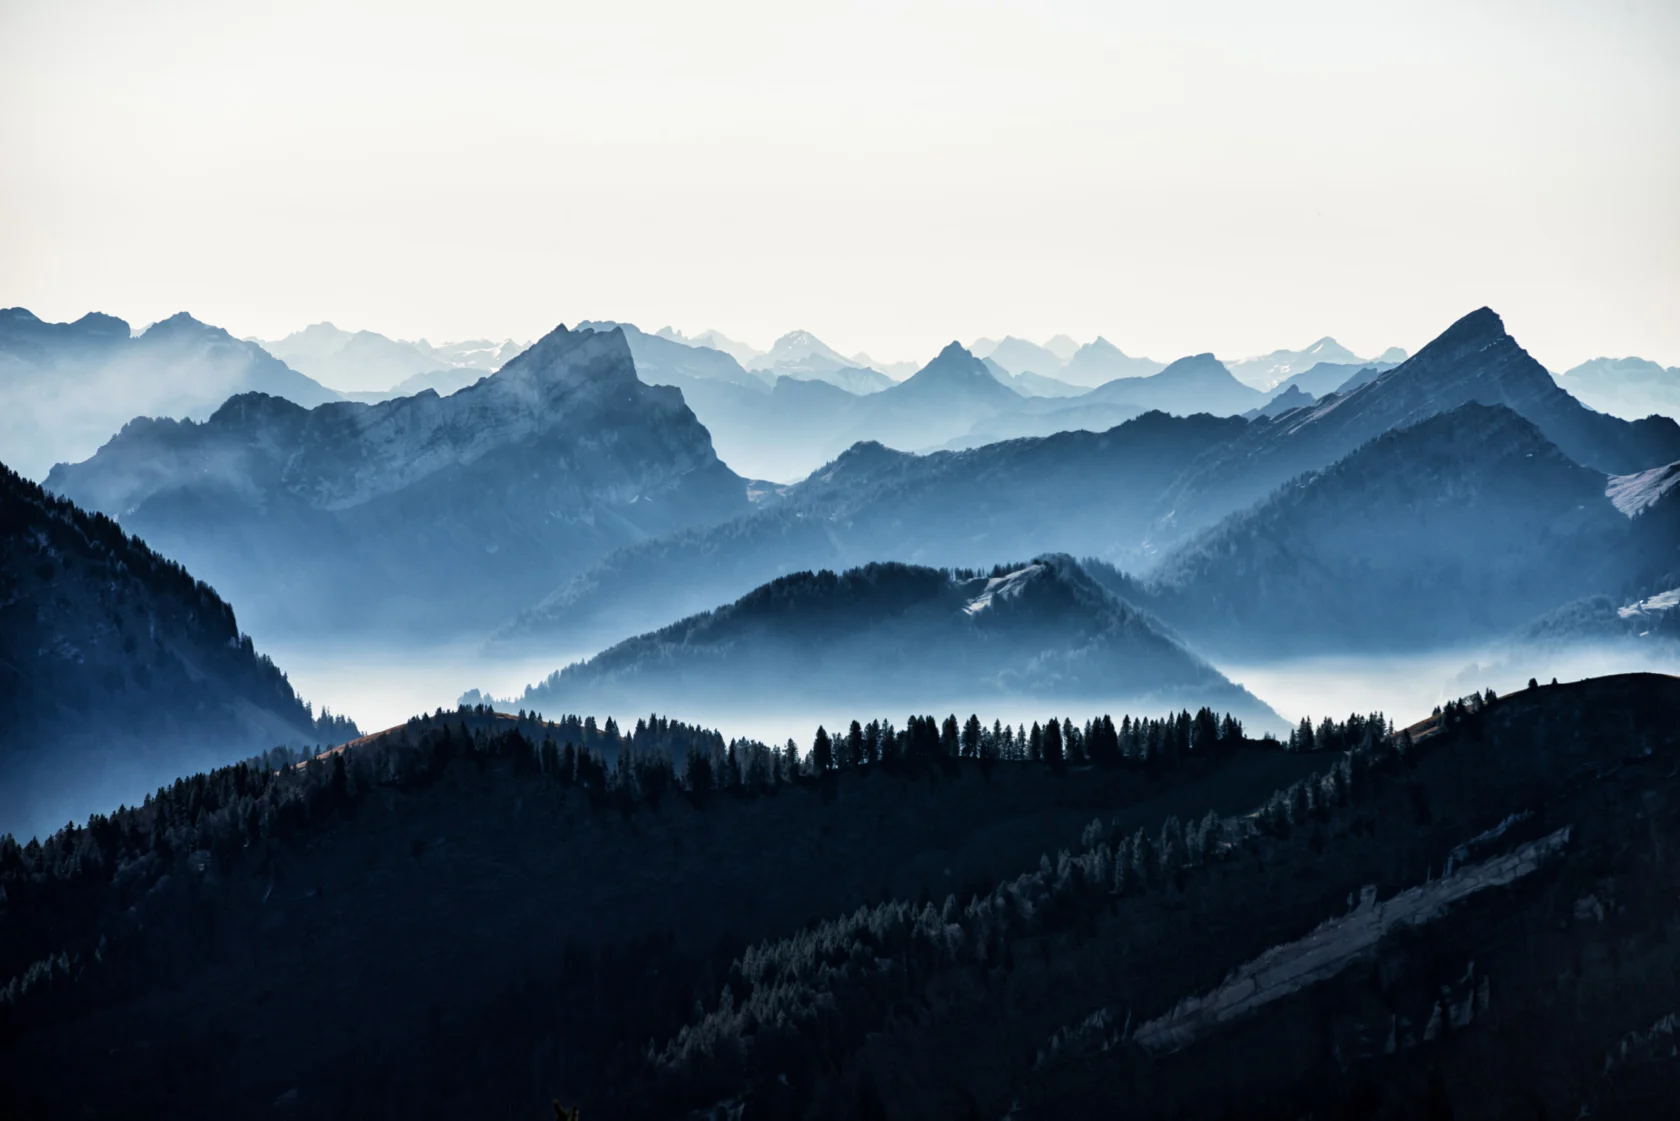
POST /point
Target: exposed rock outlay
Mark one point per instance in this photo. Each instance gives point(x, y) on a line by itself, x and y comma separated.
point(1340, 942)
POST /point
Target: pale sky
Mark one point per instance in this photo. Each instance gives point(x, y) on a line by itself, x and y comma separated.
point(1179, 177)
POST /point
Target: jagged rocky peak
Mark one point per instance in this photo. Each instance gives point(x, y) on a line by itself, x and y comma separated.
point(572, 359)
point(954, 359)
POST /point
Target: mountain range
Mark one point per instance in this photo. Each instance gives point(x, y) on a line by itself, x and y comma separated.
point(368, 362)
point(1089, 365)
point(1447, 532)
point(803, 356)
point(1270, 370)
point(1130, 496)
point(420, 514)
point(66, 387)
point(1075, 492)
point(1626, 387)
point(743, 353)
point(118, 669)
point(786, 433)
point(887, 635)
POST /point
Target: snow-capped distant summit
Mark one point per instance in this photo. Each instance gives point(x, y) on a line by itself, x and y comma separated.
point(801, 355)
point(1269, 370)
point(744, 353)
point(366, 362)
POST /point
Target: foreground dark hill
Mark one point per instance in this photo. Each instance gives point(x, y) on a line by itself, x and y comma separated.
point(1456, 529)
point(66, 387)
point(421, 514)
point(1474, 919)
point(892, 634)
point(1076, 492)
point(465, 917)
point(118, 670)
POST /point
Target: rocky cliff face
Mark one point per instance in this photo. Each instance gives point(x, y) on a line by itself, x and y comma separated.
point(419, 511)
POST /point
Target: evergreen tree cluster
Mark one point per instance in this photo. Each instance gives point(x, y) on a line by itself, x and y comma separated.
point(1057, 741)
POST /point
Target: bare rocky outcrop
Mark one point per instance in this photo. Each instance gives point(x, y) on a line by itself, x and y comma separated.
point(1339, 943)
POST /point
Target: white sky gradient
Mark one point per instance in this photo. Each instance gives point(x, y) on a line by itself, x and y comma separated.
point(1180, 177)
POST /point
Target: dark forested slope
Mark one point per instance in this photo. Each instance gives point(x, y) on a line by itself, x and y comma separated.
point(892, 634)
point(118, 670)
point(1473, 919)
point(466, 916)
point(469, 915)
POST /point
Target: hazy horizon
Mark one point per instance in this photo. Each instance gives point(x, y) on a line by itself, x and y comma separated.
point(1224, 179)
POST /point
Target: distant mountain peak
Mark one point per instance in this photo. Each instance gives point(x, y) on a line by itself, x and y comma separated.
point(1482, 324)
point(956, 369)
point(182, 322)
point(1195, 366)
point(1062, 347)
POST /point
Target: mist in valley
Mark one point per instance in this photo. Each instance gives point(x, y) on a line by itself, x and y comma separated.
point(380, 685)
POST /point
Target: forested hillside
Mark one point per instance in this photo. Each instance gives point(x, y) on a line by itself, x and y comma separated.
point(460, 916)
point(118, 669)
point(891, 634)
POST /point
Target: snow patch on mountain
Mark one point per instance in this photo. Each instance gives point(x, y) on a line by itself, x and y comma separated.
point(1663, 601)
point(1636, 493)
point(1007, 586)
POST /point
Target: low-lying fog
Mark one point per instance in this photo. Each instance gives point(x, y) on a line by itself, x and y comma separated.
point(381, 686)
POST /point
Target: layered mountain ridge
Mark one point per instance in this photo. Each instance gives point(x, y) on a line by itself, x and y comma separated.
point(1130, 495)
point(888, 634)
point(420, 511)
point(66, 387)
